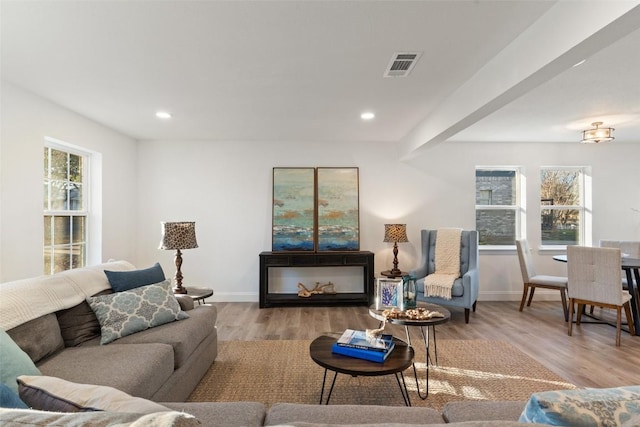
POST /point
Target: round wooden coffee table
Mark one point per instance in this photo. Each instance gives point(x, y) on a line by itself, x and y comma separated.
point(400, 359)
point(423, 325)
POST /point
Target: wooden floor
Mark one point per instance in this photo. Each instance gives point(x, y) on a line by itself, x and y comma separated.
point(589, 358)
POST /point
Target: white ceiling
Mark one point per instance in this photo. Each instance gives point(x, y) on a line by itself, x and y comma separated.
point(305, 70)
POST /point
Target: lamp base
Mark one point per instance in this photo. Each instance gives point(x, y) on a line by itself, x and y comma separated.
point(180, 290)
point(394, 273)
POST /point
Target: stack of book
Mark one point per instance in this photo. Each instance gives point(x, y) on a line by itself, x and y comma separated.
point(354, 343)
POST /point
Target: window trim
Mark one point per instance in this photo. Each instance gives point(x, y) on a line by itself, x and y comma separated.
point(519, 208)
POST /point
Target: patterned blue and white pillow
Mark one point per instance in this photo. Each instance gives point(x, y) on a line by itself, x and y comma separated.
point(592, 407)
point(125, 313)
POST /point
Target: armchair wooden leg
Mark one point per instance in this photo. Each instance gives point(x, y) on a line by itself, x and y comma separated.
point(466, 315)
point(474, 306)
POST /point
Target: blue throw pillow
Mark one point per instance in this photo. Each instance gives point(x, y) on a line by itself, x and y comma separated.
point(9, 399)
point(126, 280)
point(13, 362)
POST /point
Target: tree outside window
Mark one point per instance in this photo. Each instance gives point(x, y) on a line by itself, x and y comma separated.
point(561, 206)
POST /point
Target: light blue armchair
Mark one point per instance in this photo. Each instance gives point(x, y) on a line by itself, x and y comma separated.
point(465, 289)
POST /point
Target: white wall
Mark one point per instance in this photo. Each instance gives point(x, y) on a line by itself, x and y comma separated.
point(26, 121)
point(226, 188)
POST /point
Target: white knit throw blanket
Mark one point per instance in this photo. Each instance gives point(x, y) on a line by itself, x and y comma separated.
point(447, 260)
point(27, 299)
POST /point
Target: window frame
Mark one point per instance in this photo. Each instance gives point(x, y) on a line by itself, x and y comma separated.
point(585, 236)
point(84, 212)
point(519, 208)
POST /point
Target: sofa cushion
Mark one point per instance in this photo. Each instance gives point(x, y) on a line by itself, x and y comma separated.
point(184, 336)
point(592, 407)
point(9, 399)
point(124, 313)
point(227, 414)
point(35, 418)
point(39, 337)
point(137, 369)
point(284, 413)
point(474, 410)
point(126, 280)
point(55, 394)
point(79, 323)
point(14, 362)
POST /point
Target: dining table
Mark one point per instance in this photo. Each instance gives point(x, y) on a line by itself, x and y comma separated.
point(631, 267)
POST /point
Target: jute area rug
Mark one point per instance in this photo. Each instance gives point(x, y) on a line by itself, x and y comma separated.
point(282, 371)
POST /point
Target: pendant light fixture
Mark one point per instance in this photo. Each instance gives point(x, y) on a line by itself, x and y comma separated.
point(597, 134)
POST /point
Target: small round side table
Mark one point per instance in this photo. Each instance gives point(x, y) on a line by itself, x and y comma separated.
point(198, 294)
point(423, 326)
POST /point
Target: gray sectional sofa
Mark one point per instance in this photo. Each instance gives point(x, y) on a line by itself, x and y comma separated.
point(163, 363)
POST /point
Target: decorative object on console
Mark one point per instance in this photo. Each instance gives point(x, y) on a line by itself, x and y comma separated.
point(178, 236)
point(395, 233)
point(597, 134)
point(327, 288)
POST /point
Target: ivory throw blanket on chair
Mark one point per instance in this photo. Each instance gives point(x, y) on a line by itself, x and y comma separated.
point(447, 259)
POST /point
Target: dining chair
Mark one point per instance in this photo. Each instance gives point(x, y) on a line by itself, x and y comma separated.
point(594, 278)
point(628, 247)
point(531, 280)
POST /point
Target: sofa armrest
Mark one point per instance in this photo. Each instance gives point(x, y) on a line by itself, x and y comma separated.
point(185, 301)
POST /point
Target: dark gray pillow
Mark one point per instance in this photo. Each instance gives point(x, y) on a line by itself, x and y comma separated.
point(127, 280)
point(39, 338)
point(79, 323)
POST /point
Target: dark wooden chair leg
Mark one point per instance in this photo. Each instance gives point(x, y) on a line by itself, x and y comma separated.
point(533, 289)
point(474, 306)
point(525, 292)
point(563, 295)
point(466, 315)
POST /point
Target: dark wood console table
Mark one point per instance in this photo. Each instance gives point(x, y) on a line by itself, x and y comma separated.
point(362, 259)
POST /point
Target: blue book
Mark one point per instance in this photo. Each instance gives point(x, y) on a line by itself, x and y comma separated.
point(358, 353)
point(359, 339)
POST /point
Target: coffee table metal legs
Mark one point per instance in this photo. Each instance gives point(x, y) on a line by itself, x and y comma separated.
point(403, 387)
point(425, 340)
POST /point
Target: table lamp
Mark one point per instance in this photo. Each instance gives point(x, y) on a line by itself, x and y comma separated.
point(396, 233)
point(178, 236)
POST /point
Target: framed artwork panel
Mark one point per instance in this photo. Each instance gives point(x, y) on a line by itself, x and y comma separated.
point(293, 209)
point(338, 214)
point(389, 293)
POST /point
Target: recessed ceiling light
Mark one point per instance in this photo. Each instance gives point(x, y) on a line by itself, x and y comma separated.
point(367, 116)
point(163, 115)
point(577, 64)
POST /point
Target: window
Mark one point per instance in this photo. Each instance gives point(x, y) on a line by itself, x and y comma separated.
point(562, 206)
point(65, 207)
point(498, 205)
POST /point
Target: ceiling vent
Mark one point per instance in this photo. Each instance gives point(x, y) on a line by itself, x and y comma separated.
point(401, 64)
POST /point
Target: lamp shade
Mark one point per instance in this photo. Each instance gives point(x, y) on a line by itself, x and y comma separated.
point(395, 233)
point(178, 235)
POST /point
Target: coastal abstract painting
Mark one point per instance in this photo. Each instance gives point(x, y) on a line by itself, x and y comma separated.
point(338, 209)
point(293, 209)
